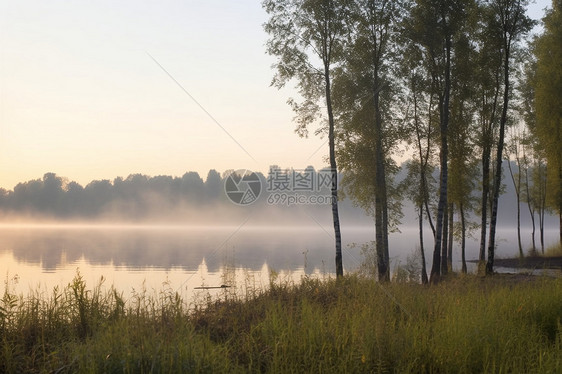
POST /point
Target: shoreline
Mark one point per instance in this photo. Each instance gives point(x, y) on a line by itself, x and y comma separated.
point(533, 262)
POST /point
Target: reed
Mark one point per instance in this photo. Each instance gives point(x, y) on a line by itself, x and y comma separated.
point(465, 324)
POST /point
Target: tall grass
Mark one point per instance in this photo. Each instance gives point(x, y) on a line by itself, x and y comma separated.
point(466, 324)
point(554, 250)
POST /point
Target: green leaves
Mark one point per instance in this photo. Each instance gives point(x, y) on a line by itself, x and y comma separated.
point(548, 99)
point(306, 38)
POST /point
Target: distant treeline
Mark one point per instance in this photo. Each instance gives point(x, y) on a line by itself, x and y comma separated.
point(139, 196)
point(135, 195)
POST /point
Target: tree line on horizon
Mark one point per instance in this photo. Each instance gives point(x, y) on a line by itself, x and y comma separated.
point(140, 196)
point(461, 83)
point(134, 196)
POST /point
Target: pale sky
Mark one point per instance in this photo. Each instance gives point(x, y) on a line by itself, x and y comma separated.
point(80, 95)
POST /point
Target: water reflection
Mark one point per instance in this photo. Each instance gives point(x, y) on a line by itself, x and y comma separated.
point(187, 257)
point(166, 248)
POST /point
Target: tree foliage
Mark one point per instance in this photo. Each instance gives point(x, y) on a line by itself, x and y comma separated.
point(548, 99)
point(306, 36)
point(365, 95)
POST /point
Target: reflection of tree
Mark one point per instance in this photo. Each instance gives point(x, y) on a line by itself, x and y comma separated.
point(166, 249)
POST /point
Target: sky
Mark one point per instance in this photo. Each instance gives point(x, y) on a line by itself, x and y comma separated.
point(97, 90)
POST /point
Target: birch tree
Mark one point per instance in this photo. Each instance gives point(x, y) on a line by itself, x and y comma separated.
point(511, 25)
point(306, 38)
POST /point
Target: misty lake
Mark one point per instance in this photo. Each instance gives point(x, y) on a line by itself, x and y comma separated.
point(184, 257)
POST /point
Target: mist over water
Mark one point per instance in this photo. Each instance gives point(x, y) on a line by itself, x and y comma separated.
point(185, 232)
point(129, 255)
point(187, 256)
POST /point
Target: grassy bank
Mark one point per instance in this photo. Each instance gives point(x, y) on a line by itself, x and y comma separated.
point(466, 324)
point(551, 259)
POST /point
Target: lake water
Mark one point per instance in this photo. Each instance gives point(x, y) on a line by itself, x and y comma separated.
point(185, 257)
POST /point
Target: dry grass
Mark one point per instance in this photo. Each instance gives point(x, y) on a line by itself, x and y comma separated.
point(465, 324)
